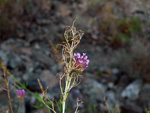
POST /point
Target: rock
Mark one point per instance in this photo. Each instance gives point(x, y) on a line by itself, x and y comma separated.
point(106, 79)
point(94, 90)
point(112, 100)
point(3, 98)
point(124, 79)
point(38, 68)
point(14, 61)
point(111, 85)
point(43, 21)
point(131, 108)
point(132, 90)
point(115, 71)
point(133, 6)
point(21, 34)
point(49, 78)
point(26, 51)
point(72, 97)
point(8, 44)
point(29, 62)
point(33, 85)
point(42, 58)
point(145, 95)
point(4, 109)
point(3, 56)
point(76, 94)
point(98, 88)
point(63, 10)
point(37, 46)
point(111, 97)
point(56, 68)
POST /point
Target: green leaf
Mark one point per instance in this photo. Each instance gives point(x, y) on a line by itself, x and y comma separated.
point(40, 106)
point(70, 38)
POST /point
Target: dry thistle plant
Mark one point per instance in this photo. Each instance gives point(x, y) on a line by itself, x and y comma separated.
point(74, 64)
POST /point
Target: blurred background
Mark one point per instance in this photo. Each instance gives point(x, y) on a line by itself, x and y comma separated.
point(116, 40)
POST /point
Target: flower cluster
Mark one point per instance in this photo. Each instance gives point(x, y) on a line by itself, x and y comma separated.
point(81, 61)
point(21, 94)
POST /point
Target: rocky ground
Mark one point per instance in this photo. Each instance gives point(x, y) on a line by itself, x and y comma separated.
point(118, 70)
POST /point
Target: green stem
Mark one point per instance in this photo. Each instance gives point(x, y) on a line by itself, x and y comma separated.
point(64, 103)
point(66, 94)
point(49, 111)
point(19, 106)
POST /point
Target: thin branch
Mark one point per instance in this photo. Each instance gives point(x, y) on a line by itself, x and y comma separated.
point(43, 93)
point(8, 93)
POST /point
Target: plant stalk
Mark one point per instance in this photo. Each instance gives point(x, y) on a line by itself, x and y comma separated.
point(67, 87)
point(19, 106)
point(64, 103)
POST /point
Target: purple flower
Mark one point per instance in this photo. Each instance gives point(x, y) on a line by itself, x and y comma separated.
point(81, 61)
point(20, 94)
